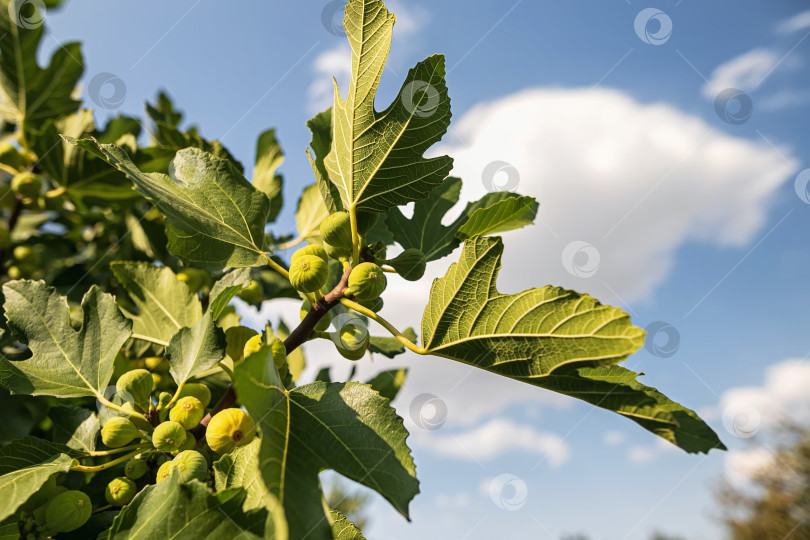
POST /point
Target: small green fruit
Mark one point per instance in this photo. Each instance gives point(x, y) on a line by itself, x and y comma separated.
point(118, 432)
point(27, 184)
point(253, 345)
point(336, 230)
point(163, 471)
point(39, 513)
point(308, 273)
point(138, 383)
point(120, 491)
point(168, 436)
point(410, 264)
point(14, 272)
point(194, 278)
point(338, 253)
point(25, 255)
point(229, 429)
point(353, 341)
point(163, 400)
point(323, 324)
point(68, 511)
point(199, 391)
point(190, 464)
point(187, 412)
point(135, 468)
point(311, 249)
point(190, 444)
point(10, 156)
point(253, 293)
point(366, 282)
point(156, 363)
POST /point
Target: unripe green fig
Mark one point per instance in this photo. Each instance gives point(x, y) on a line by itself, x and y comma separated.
point(120, 491)
point(187, 412)
point(137, 383)
point(366, 282)
point(168, 436)
point(338, 253)
point(194, 278)
point(68, 511)
point(253, 293)
point(135, 468)
point(410, 264)
point(353, 341)
point(27, 184)
point(190, 444)
point(365, 221)
point(14, 272)
point(228, 429)
point(311, 249)
point(190, 464)
point(323, 324)
point(163, 471)
point(25, 255)
point(308, 273)
point(43, 496)
point(163, 400)
point(118, 432)
point(39, 513)
point(10, 156)
point(336, 230)
point(199, 391)
point(5, 238)
point(156, 363)
point(374, 305)
point(253, 345)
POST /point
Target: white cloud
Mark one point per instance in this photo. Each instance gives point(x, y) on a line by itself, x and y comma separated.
point(741, 465)
point(744, 72)
point(636, 181)
point(614, 438)
point(336, 61)
point(750, 412)
point(800, 21)
point(492, 439)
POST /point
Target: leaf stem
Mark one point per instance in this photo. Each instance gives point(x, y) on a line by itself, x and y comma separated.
point(277, 267)
point(355, 237)
point(291, 243)
point(109, 464)
point(97, 453)
point(389, 270)
point(111, 405)
point(385, 324)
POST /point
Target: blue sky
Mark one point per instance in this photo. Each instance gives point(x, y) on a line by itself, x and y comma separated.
point(696, 221)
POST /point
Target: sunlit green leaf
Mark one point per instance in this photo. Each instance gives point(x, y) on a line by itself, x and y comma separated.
point(506, 215)
point(65, 362)
point(549, 337)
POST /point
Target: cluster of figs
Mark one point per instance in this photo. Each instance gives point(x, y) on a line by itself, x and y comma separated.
point(309, 273)
point(167, 448)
